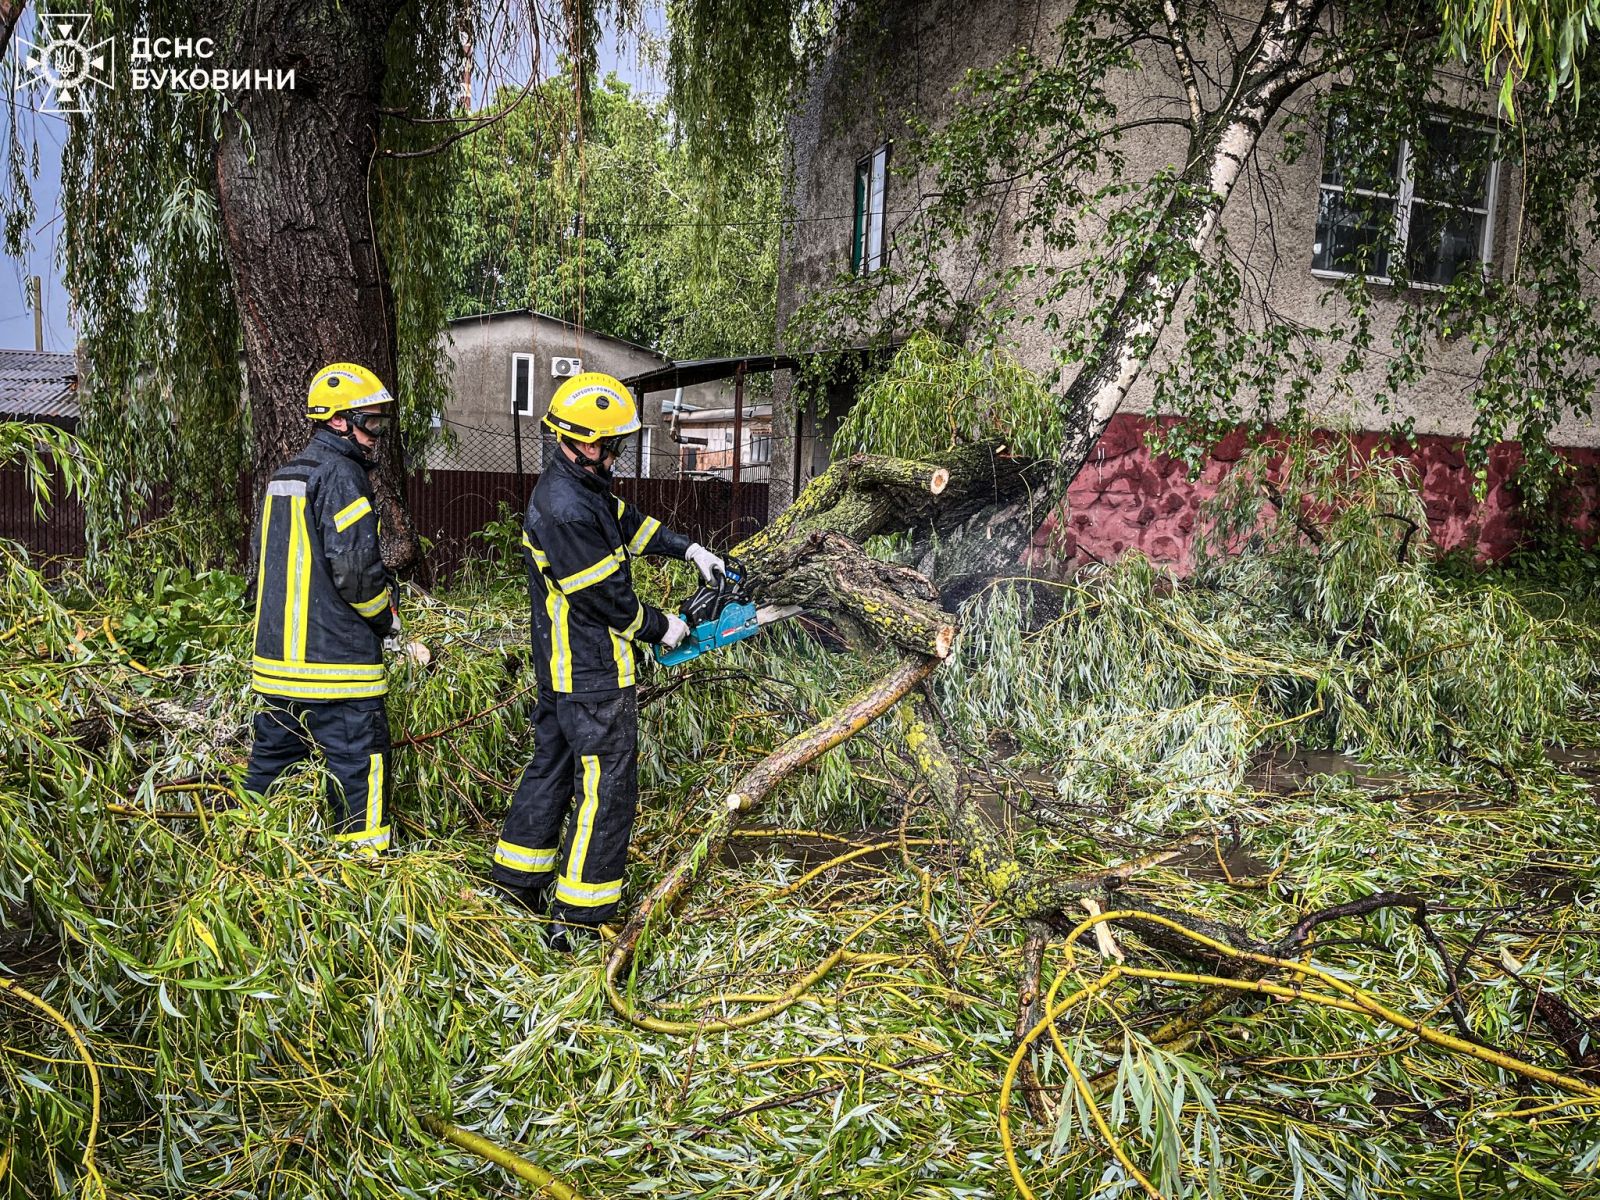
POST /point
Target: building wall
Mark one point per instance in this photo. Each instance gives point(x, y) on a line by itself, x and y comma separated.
point(715, 429)
point(479, 408)
point(1127, 498)
point(920, 55)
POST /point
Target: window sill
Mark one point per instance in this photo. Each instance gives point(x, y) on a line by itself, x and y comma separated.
point(1379, 280)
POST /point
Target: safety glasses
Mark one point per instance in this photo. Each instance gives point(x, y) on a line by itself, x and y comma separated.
point(613, 447)
point(373, 424)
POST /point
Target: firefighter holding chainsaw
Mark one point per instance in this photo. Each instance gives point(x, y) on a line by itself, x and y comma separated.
point(324, 609)
point(578, 540)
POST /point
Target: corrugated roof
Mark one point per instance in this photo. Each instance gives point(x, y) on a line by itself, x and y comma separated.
point(706, 370)
point(38, 383)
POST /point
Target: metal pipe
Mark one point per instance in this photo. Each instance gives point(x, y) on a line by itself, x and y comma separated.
point(738, 451)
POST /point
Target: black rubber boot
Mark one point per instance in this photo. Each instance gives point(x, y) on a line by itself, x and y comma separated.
point(568, 937)
point(536, 899)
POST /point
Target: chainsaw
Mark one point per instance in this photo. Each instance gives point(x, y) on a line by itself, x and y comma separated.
point(720, 613)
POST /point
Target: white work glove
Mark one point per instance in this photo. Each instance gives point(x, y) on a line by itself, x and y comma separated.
point(392, 642)
point(706, 562)
point(677, 630)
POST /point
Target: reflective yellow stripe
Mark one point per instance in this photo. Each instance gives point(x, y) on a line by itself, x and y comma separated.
point(368, 841)
point(622, 655)
point(521, 858)
point(297, 590)
point(603, 569)
point(587, 895)
point(374, 792)
point(371, 608)
point(621, 508)
point(584, 830)
point(555, 607)
point(293, 689)
point(351, 513)
point(261, 562)
point(622, 649)
point(318, 672)
point(647, 530)
point(538, 555)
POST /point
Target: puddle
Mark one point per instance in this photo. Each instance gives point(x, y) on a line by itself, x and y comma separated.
point(1200, 862)
point(807, 850)
point(25, 951)
point(1582, 761)
point(1550, 881)
point(1284, 774)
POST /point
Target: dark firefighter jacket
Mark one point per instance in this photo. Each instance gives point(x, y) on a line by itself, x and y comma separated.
point(577, 542)
point(322, 591)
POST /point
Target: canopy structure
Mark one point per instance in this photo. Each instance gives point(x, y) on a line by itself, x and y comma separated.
point(707, 370)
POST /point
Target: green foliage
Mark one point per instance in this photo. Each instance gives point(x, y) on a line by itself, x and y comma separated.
point(933, 396)
point(734, 70)
point(267, 1012)
point(45, 454)
point(1540, 43)
point(586, 208)
point(180, 616)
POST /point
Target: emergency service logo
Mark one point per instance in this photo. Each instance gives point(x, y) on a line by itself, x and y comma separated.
point(64, 63)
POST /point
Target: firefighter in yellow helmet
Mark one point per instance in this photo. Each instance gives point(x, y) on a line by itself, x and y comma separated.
point(577, 542)
point(324, 607)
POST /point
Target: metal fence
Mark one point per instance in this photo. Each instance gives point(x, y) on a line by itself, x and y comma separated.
point(449, 506)
point(51, 534)
point(473, 477)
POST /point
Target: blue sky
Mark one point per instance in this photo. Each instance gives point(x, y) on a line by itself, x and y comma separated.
point(49, 132)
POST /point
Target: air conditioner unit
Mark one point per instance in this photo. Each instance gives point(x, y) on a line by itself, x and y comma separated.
point(565, 368)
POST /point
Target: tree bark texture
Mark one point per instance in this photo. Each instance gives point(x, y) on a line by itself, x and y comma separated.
point(10, 14)
point(293, 175)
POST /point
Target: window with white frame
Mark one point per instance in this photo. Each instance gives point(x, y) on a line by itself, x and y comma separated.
point(758, 450)
point(1430, 208)
point(866, 242)
point(522, 385)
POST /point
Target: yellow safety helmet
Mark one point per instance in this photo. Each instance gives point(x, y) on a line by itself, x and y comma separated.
point(339, 387)
point(592, 406)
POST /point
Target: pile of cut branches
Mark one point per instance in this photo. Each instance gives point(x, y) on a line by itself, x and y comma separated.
point(1275, 880)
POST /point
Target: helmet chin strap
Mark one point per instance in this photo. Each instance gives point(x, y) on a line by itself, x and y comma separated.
point(595, 466)
point(362, 452)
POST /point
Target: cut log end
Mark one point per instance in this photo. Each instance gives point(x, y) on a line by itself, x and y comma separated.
point(944, 641)
point(939, 480)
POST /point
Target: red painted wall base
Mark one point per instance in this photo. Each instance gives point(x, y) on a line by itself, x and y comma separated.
point(1128, 498)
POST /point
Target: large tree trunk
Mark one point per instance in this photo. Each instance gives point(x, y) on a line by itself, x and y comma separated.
point(293, 172)
point(10, 14)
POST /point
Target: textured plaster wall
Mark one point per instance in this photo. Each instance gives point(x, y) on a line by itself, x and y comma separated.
point(1126, 498)
point(480, 351)
point(919, 52)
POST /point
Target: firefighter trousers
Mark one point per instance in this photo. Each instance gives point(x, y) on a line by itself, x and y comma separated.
point(353, 736)
point(583, 775)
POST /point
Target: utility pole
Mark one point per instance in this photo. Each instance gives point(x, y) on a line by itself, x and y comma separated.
point(37, 299)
